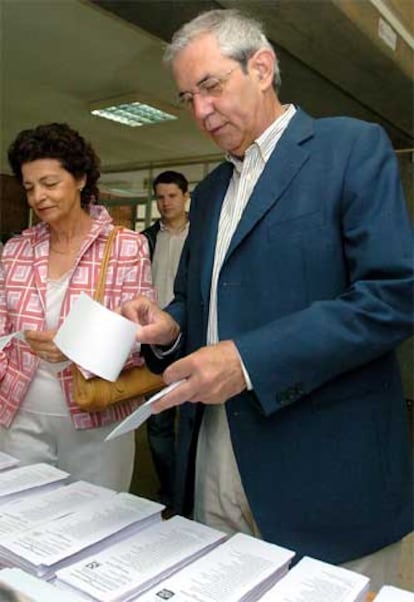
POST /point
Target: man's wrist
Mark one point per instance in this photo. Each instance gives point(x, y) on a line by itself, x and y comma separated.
point(163, 351)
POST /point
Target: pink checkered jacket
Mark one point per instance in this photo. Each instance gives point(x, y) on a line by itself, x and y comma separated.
point(23, 279)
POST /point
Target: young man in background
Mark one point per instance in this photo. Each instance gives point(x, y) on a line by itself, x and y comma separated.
point(166, 239)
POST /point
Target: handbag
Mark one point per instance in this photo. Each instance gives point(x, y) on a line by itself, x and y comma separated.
point(95, 394)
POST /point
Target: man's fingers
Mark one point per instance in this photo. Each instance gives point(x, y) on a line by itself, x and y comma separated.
point(137, 310)
point(178, 394)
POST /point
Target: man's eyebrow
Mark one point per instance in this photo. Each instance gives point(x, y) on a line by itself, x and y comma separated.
point(201, 81)
point(205, 78)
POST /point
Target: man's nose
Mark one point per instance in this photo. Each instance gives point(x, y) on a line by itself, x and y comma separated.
point(202, 107)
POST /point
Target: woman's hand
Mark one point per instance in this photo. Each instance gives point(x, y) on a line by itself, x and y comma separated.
point(42, 345)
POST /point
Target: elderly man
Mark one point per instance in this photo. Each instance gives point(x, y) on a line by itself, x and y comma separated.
point(294, 289)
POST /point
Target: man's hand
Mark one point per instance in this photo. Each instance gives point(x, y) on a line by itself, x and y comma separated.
point(212, 374)
point(42, 345)
point(155, 327)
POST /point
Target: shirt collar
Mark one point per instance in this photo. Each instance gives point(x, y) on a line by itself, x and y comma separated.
point(164, 228)
point(266, 142)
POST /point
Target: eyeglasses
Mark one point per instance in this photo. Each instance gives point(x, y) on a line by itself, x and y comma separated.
point(210, 86)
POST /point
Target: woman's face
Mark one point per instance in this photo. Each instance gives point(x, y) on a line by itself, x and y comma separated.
point(52, 192)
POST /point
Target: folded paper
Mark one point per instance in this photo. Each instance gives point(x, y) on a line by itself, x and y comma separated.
point(134, 420)
point(96, 338)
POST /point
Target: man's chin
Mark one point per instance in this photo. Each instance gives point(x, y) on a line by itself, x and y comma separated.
point(222, 141)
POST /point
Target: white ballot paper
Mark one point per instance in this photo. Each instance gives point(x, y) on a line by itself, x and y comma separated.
point(240, 569)
point(134, 420)
point(62, 541)
point(31, 589)
point(313, 579)
point(30, 511)
point(7, 461)
point(388, 593)
point(124, 570)
point(96, 338)
point(25, 479)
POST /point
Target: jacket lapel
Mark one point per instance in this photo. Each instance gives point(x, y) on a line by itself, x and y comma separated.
point(282, 167)
point(40, 246)
point(41, 249)
point(212, 202)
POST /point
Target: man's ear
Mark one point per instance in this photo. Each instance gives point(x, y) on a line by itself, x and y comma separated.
point(262, 66)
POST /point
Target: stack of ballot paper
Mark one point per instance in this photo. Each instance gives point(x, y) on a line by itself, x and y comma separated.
point(312, 580)
point(61, 541)
point(28, 512)
point(239, 570)
point(25, 480)
point(126, 569)
point(7, 461)
point(389, 593)
point(27, 588)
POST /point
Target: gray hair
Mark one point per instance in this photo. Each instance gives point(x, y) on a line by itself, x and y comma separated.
point(238, 37)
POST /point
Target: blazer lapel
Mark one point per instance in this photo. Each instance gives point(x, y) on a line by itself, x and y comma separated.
point(40, 262)
point(212, 203)
point(282, 167)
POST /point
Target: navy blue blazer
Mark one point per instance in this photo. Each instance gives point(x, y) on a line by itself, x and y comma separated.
point(316, 291)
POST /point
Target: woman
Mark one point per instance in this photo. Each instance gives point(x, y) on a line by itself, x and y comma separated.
point(43, 272)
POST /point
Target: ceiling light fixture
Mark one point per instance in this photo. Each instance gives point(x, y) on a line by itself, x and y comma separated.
point(133, 113)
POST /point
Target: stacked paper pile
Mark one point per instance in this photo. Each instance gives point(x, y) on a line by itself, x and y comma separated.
point(52, 545)
point(7, 461)
point(28, 480)
point(239, 570)
point(312, 580)
point(28, 512)
point(126, 569)
point(394, 594)
point(17, 585)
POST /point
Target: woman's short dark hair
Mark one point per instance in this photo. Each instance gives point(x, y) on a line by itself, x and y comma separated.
point(61, 142)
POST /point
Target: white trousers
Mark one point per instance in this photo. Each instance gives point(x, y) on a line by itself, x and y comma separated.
point(82, 453)
point(220, 500)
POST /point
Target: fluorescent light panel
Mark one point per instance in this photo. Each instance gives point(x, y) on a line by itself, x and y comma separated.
point(133, 114)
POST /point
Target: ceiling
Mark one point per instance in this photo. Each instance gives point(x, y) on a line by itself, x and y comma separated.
point(60, 56)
